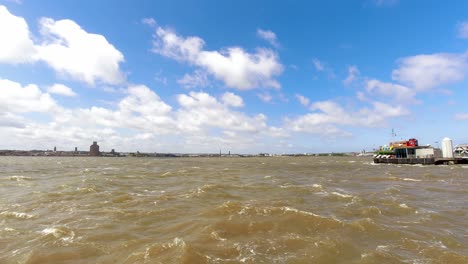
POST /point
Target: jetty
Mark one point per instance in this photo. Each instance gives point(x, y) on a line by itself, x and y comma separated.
point(423, 161)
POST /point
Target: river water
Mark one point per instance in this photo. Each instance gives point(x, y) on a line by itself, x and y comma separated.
point(231, 210)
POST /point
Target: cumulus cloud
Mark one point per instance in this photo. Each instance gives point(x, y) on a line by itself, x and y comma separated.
point(63, 45)
point(463, 30)
point(303, 100)
point(399, 92)
point(196, 79)
point(16, 98)
point(142, 110)
point(83, 56)
point(265, 97)
point(16, 45)
point(234, 66)
point(138, 118)
point(328, 118)
point(353, 74)
point(424, 72)
point(269, 36)
point(11, 120)
point(61, 89)
point(233, 100)
point(201, 111)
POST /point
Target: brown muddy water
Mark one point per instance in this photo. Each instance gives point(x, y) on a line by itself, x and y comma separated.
point(231, 210)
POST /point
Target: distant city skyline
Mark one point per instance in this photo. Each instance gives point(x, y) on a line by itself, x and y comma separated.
point(246, 77)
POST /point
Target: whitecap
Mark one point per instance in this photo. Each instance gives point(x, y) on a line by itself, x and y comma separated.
point(61, 233)
point(20, 178)
point(315, 185)
point(342, 195)
point(410, 179)
point(17, 215)
point(294, 210)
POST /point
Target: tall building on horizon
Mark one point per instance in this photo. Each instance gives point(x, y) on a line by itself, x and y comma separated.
point(94, 149)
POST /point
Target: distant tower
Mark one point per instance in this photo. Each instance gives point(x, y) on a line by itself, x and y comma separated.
point(94, 149)
point(76, 149)
point(55, 149)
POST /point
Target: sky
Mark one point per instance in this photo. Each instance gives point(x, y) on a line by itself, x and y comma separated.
point(239, 76)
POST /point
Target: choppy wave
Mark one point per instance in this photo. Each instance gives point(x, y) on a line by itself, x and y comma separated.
point(17, 215)
point(249, 210)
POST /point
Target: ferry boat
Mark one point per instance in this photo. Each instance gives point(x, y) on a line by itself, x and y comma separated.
point(409, 152)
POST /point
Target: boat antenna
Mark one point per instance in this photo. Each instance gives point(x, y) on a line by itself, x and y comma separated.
point(393, 135)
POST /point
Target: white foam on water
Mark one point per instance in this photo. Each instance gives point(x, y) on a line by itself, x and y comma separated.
point(216, 236)
point(17, 215)
point(110, 168)
point(342, 195)
point(403, 205)
point(382, 248)
point(20, 178)
point(290, 209)
point(410, 179)
point(61, 233)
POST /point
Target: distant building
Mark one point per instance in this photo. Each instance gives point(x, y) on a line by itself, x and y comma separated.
point(94, 149)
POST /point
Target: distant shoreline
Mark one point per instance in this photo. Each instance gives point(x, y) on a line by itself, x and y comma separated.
point(49, 153)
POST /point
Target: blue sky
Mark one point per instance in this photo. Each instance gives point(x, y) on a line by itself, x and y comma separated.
point(241, 76)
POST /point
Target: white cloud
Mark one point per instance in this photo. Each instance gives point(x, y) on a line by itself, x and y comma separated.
point(399, 92)
point(16, 45)
point(353, 74)
point(75, 53)
point(141, 110)
point(234, 66)
point(328, 118)
point(65, 46)
point(61, 90)
point(19, 2)
point(149, 21)
point(269, 36)
point(159, 77)
point(138, 121)
point(196, 79)
point(18, 99)
point(11, 120)
point(463, 30)
point(233, 100)
point(200, 111)
point(427, 71)
point(303, 100)
point(265, 97)
point(383, 3)
point(461, 116)
point(319, 66)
